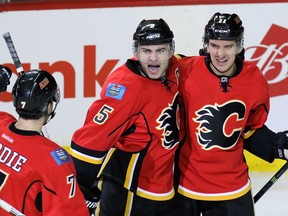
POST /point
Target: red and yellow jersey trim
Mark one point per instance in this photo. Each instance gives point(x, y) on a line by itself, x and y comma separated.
point(89, 159)
point(155, 196)
point(215, 196)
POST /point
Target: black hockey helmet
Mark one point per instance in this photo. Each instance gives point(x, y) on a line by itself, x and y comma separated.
point(224, 27)
point(5, 74)
point(32, 93)
point(153, 32)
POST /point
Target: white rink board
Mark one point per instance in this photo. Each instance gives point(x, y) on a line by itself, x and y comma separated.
point(60, 35)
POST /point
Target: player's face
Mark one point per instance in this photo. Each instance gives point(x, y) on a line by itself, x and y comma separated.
point(223, 54)
point(154, 59)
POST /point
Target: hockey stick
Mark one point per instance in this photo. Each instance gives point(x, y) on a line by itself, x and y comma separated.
point(271, 182)
point(7, 207)
point(13, 53)
point(16, 60)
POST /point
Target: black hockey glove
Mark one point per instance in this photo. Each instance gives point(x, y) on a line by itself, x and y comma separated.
point(5, 74)
point(92, 198)
point(281, 141)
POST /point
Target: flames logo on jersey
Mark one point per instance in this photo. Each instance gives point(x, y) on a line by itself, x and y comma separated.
point(220, 126)
point(168, 124)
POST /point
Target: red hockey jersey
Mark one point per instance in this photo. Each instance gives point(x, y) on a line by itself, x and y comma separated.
point(134, 127)
point(37, 177)
point(217, 110)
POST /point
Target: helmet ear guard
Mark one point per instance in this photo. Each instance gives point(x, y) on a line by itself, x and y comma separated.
point(224, 27)
point(172, 45)
point(32, 93)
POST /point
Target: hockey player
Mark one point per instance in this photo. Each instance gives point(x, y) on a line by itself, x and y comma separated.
point(37, 176)
point(226, 101)
point(130, 134)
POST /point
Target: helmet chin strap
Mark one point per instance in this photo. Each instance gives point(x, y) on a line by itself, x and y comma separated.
point(49, 117)
point(222, 71)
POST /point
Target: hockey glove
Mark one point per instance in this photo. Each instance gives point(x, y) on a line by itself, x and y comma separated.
point(5, 74)
point(92, 198)
point(281, 141)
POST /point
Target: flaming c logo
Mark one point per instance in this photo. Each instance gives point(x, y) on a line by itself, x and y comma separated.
point(168, 124)
point(271, 56)
point(220, 125)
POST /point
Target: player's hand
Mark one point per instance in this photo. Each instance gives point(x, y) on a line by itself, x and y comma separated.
point(92, 197)
point(92, 206)
point(5, 74)
point(281, 141)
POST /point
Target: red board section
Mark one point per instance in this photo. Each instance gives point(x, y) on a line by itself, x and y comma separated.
point(76, 4)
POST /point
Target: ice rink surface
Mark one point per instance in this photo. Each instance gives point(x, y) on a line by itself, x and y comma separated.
point(275, 201)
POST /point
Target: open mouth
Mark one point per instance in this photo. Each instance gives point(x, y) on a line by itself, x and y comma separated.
point(154, 68)
point(221, 63)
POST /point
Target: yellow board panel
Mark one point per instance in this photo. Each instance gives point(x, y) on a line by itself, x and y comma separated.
point(258, 165)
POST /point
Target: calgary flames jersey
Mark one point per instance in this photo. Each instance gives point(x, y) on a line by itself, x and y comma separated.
point(37, 177)
point(217, 111)
point(130, 134)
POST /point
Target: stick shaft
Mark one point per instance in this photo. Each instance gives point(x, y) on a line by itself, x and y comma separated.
point(7, 207)
point(13, 53)
point(271, 182)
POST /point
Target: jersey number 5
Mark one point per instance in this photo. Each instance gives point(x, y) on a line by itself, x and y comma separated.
point(103, 114)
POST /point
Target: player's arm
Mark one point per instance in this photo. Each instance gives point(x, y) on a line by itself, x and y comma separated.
point(5, 74)
point(60, 193)
point(267, 144)
point(258, 138)
point(90, 145)
point(88, 164)
point(106, 120)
